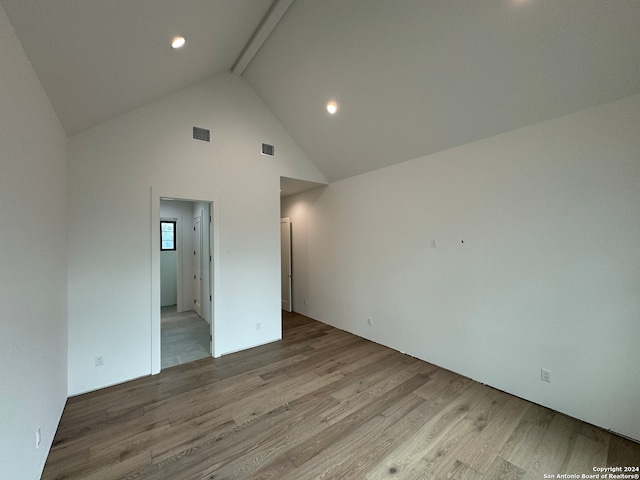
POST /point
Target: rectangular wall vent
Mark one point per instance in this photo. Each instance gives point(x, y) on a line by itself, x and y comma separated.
point(268, 149)
point(201, 134)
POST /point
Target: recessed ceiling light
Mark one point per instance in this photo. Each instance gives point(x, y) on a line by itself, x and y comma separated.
point(178, 42)
point(332, 107)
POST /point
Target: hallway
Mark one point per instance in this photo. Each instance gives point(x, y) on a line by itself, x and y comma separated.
point(184, 337)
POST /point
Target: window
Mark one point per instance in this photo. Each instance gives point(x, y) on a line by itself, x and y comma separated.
point(167, 235)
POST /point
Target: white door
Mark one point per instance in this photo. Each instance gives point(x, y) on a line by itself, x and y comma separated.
point(197, 265)
point(285, 259)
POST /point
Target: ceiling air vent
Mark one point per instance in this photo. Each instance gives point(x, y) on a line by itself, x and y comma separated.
point(201, 134)
point(268, 149)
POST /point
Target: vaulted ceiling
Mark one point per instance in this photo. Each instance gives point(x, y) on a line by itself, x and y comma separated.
point(97, 59)
point(410, 77)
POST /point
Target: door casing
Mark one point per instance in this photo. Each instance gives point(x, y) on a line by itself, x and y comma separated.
point(192, 195)
point(197, 265)
point(285, 259)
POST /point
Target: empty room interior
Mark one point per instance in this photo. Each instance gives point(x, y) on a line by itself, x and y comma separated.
point(459, 183)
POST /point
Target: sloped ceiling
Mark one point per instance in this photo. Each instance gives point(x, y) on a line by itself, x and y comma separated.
point(411, 77)
point(97, 59)
point(414, 77)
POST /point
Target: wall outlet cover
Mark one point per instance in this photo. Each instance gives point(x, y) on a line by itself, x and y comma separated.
point(545, 375)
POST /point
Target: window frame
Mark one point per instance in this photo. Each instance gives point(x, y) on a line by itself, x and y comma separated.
point(175, 239)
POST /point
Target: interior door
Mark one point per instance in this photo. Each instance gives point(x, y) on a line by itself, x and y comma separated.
point(197, 265)
point(285, 259)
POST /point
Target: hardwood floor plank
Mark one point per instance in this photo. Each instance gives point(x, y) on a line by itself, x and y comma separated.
point(501, 469)
point(453, 438)
point(357, 450)
point(200, 428)
point(182, 437)
point(65, 464)
point(266, 400)
point(552, 454)
point(195, 403)
point(460, 471)
point(297, 421)
point(383, 357)
point(493, 426)
point(391, 381)
point(275, 470)
point(623, 453)
point(365, 377)
point(595, 433)
point(443, 377)
point(342, 359)
point(119, 434)
point(587, 451)
point(437, 419)
point(306, 450)
point(103, 468)
point(118, 469)
point(525, 439)
point(321, 403)
point(539, 415)
point(326, 357)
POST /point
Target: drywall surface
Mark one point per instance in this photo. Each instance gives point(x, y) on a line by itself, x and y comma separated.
point(182, 212)
point(297, 208)
point(33, 312)
point(111, 170)
point(535, 262)
point(168, 278)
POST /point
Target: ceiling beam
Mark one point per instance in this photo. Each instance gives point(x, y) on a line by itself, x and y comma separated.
point(271, 19)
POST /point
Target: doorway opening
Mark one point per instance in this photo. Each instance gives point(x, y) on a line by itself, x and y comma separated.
point(185, 330)
point(183, 280)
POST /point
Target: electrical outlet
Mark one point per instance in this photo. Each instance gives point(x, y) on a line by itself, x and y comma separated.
point(369, 321)
point(38, 437)
point(434, 244)
point(258, 325)
point(545, 375)
point(99, 361)
point(306, 301)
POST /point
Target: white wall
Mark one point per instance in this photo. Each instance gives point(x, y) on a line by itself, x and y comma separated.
point(168, 278)
point(548, 275)
point(111, 169)
point(33, 338)
point(297, 208)
point(183, 213)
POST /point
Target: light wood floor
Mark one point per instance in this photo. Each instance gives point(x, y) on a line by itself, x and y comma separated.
point(321, 403)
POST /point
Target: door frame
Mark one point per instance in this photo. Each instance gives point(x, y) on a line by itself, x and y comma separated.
point(286, 258)
point(189, 194)
point(198, 292)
